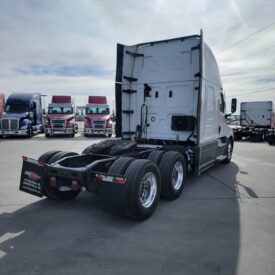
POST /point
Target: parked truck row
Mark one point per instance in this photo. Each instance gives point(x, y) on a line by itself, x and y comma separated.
point(171, 121)
point(22, 115)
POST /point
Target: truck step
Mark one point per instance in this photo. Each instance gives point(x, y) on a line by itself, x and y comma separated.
point(128, 133)
point(129, 91)
point(131, 79)
point(128, 112)
point(135, 54)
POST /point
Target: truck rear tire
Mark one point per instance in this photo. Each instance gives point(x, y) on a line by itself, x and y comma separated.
point(54, 193)
point(271, 139)
point(139, 196)
point(61, 155)
point(143, 192)
point(173, 172)
point(155, 156)
point(120, 166)
point(47, 156)
point(111, 196)
point(238, 136)
point(228, 152)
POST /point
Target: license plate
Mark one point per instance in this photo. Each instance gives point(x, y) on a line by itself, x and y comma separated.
point(32, 177)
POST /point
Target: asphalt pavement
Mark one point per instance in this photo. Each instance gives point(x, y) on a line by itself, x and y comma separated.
point(223, 223)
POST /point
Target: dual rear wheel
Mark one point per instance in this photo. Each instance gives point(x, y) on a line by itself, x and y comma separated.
point(172, 168)
point(137, 198)
point(161, 174)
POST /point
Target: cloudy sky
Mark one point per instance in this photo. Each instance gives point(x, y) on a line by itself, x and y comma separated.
point(69, 46)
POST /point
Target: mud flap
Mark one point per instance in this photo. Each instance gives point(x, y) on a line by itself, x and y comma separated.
point(32, 177)
point(113, 193)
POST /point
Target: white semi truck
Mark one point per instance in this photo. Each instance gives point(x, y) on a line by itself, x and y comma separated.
point(257, 121)
point(171, 121)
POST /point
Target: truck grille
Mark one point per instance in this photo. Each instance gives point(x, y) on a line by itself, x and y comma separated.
point(10, 124)
point(58, 123)
point(99, 124)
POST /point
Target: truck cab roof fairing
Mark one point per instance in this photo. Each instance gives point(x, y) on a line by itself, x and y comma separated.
point(167, 66)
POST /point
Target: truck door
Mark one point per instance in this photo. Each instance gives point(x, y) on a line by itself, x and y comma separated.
point(210, 114)
point(210, 127)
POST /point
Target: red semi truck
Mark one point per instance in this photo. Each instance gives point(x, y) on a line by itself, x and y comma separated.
point(60, 119)
point(98, 118)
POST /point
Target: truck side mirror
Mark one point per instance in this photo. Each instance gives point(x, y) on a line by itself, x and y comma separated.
point(233, 105)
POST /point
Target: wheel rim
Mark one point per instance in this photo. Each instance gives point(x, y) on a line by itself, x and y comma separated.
point(148, 189)
point(177, 176)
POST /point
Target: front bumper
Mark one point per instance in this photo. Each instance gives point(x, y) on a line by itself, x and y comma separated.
point(62, 131)
point(14, 132)
point(92, 131)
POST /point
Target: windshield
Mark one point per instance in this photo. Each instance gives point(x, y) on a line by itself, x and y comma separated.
point(18, 108)
point(98, 110)
point(60, 110)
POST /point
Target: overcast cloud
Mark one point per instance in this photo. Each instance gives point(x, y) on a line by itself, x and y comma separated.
point(69, 46)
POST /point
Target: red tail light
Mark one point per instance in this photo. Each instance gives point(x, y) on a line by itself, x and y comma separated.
point(75, 185)
point(53, 182)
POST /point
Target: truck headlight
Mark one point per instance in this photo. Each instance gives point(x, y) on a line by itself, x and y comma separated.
point(47, 122)
point(88, 123)
point(70, 122)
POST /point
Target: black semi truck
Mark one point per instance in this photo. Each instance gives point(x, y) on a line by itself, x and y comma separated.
point(23, 115)
point(171, 121)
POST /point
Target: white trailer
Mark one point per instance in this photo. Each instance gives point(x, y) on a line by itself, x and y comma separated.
point(171, 121)
point(256, 120)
